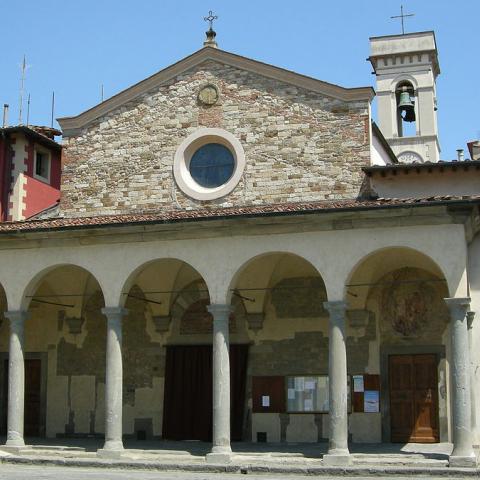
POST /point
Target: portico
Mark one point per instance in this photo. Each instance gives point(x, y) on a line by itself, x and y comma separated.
point(145, 296)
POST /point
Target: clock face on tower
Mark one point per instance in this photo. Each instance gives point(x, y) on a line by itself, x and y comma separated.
point(208, 95)
point(410, 157)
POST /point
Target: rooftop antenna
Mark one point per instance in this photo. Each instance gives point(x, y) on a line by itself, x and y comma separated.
point(28, 109)
point(53, 108)
point(22, 84)
point(102, 93)
point(403, 16)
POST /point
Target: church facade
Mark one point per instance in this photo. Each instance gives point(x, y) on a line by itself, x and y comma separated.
point(239, 255)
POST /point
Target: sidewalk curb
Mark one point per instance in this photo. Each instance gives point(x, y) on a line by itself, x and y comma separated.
point(357, 471)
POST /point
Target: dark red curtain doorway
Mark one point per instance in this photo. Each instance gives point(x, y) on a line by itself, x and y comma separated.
point(187, 408)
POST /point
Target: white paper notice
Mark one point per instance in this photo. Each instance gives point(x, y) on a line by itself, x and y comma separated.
point(308, 405)
point(291, 394)
point(265, 401)
point(309, 385)
point(299, 384)
point(358, 383)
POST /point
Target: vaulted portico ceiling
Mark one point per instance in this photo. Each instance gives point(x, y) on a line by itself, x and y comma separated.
point(71, 124)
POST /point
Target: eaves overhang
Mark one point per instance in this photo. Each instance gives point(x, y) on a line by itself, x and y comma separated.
point(102, 223)
point(422, 167)
point(28, 132)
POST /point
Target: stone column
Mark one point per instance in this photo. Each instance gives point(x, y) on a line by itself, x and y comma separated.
point(338, 454)
point(221, 450)
point(16, 379)
point(462, 455)
point(113, 382)
point(470, 317)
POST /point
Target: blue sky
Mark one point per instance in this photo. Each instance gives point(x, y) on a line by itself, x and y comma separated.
point(73, 47)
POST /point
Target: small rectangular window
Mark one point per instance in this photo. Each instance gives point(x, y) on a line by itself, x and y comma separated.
point(42, 165)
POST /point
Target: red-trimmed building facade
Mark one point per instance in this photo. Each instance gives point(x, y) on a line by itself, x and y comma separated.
point(30, 167)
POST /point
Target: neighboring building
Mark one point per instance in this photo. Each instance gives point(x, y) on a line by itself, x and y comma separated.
point(29, 171)
point(227, 202)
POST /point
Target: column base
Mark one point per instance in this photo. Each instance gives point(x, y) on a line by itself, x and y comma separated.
point(14, 441)
point(462, 462)
point(112, 449)
point(340, 459)
point(16, 450)
point(219, 455)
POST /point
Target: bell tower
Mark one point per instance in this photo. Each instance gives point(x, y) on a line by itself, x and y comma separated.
point(406, 68)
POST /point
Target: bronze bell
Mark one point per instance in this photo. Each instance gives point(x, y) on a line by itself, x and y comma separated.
point(406, 106)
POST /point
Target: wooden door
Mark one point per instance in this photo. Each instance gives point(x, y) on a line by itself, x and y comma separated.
point(187, 405)
point(413, 398)
point(33, 383)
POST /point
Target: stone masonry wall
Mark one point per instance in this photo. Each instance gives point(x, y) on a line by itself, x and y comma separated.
point(299, 145)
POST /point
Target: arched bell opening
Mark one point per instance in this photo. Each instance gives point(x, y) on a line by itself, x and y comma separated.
point(397, 311)
point(406, 101)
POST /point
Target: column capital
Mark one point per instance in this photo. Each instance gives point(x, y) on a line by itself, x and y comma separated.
point(470, 317)
point(458, 306)
point(337, 307)
point(220, 310)
point(114, 313)
point(17, 316)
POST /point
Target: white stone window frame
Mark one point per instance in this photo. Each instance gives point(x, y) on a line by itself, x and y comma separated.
point(48, 158)
point(189, 146)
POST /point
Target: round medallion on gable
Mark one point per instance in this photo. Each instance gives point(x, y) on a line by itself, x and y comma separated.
point(208, 95)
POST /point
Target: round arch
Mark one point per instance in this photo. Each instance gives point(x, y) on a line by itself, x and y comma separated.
point(176, 273)
point(370, 268)
point(275, 264)
point(35, 282)
point(404, 77)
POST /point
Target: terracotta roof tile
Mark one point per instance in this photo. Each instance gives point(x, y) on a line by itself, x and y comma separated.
point(170, 216)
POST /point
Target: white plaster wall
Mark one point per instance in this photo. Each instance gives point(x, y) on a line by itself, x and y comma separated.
point(266, 422)
point(148, 404)
point(365, 427)
point(219, 259)
point(379, 155)
point(82, 398)
point(100, 410)
point(302, 428)
point(424, 184)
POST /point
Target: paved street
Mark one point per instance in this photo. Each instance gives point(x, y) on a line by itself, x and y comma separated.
point(20, 472)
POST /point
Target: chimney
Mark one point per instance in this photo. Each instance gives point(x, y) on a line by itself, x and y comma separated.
point(5, 115)
point(474, 149)
point(460, 156)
